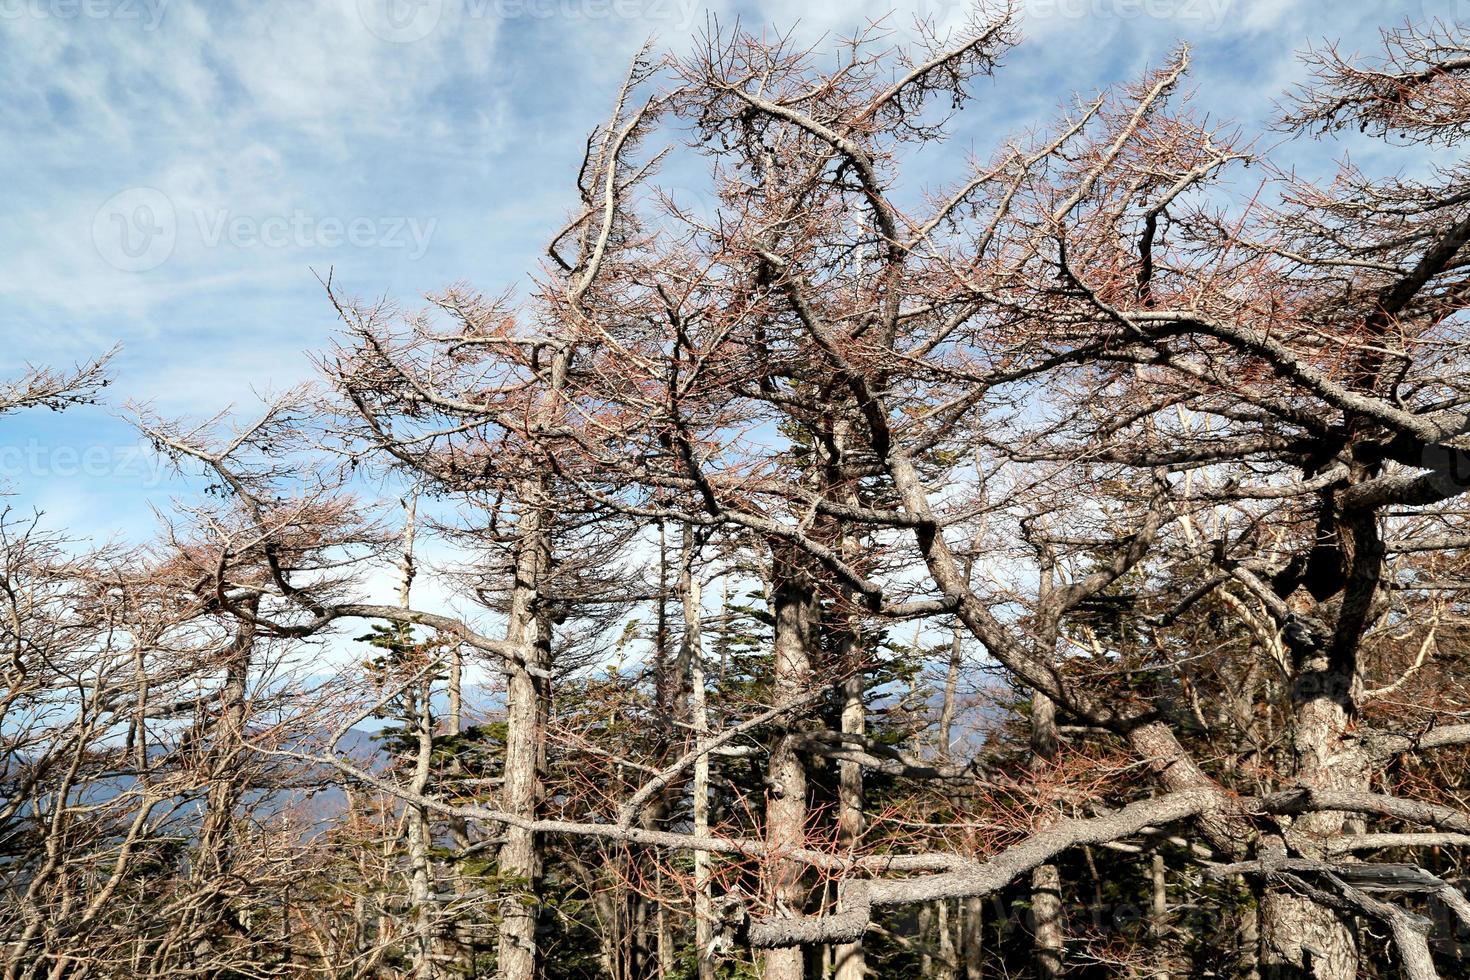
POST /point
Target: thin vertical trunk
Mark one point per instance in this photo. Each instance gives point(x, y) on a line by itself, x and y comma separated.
point(460, 935)
point(794, 601)
point(1159, 914)
point(671, 678)
point(665, 680)
point(1048, 941)
point(665, 932)
point(926, 928)
point(525, 714)
point(420, 716)
point(689, 594)
point(956, 664)
point(1046, 881)
point(454, 720)
point(418, 831)
point(946, 969)
point(848, 961)
point(951, 691)
point(971, 911)
point(972, 938)
point(851, 823)
point(851, 960)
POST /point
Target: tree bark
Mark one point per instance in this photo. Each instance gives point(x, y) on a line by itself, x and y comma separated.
point(1046, 881)
point(1159, 913)
point(851, 822)
point(226, 781)
point(420, 716)
point(526, 709)
point(691, 597)
point(951, 691)
point(794, 599)
point(418, 832)
point(945, 924)
point(1298, 934)
point(973, 937)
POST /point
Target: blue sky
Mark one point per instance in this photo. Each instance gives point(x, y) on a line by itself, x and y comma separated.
point(176, 169)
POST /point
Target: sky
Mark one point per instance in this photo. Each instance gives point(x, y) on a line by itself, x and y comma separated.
point(178, 173)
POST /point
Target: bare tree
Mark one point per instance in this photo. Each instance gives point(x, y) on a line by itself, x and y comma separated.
point(1163, 478)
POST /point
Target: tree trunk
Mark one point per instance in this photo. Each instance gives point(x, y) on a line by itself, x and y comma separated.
point(1159, 914)
point(225, 750)
point(794, 601)
point(1046, 881)
point(973, 938)
point(1298, 936)
point(952, 676)
point(418, 832)
point(946, 970)
point(215, 864)
point(850, 959)
point(951, 691)
point(1296, 933)
point(420, 717)
point(525, 710)
point(690, 596)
